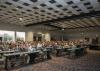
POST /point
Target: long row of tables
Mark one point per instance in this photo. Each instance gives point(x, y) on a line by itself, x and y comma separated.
point(13, 58)
point(70, 51)
point(2, 52)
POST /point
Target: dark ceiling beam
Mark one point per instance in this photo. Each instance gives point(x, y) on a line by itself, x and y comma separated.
point(83, 15)
point(84, 27)
point(57, 27)
point(75, 28)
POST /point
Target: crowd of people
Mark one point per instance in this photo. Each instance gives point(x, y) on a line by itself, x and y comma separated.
point(30, 46)
point(45, 49)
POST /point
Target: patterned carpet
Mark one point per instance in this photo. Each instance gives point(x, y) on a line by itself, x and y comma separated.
point(88, 62)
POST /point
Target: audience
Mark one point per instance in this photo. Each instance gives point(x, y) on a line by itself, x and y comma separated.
point(30, 46)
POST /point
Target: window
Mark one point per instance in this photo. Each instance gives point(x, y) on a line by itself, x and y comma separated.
point(7, 35)
point(20, 36)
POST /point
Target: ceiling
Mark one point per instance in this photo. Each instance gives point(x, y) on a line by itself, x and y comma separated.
point(67, 14)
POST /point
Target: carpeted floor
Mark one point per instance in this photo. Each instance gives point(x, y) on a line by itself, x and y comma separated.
point(88, 62)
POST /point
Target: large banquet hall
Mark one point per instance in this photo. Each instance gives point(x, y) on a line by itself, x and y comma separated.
point(49, 35)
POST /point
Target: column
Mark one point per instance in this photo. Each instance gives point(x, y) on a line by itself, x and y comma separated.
point(29, 36)
point(47, 37)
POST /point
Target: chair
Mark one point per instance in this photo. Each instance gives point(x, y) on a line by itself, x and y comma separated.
point(78, 52)
point(2, 62)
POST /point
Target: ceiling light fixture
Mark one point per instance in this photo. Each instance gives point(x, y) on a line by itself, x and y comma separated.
point(62, 29)
point(20, 19)
point(16, 8)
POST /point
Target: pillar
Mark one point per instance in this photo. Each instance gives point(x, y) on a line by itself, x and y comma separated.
point(29, 36)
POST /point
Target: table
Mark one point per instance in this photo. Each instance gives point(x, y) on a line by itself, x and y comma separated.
point(17, 56)
point(5, 52)
point(48, 54)
point(59, 51)
point(1, 52)
point(76, 51)
point(32, 56)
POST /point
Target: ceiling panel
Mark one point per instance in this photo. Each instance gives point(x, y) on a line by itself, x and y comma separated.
point(28, 12)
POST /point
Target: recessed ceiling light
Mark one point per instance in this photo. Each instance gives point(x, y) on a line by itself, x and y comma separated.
point(62, 29)
point(16, 8)
point(68, 15)
point(20, 19)
point(72, 21)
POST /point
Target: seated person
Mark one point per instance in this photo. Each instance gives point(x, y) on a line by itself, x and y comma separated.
point(31, 49)
point(72, 45)
point(66, 45)
point(39, 46)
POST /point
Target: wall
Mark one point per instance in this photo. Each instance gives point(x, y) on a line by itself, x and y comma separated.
point(82, 33)
point(12, 27)
point(29, 31)
point(66, 34)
